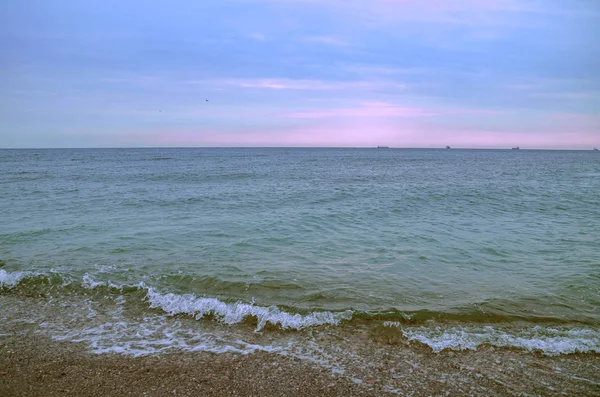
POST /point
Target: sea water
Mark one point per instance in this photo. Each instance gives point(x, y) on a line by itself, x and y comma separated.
point(141, 251)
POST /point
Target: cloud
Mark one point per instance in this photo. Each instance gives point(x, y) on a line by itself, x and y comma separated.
point(560, 90)
point(574, 121)
point(355, 134)
point(365, 110)
point(257, 36)
point(382, 109)
point(174, 84)
point(398, 5)
point(305, 72)
point(569, 116)
point(380, 70)
point(327, 40)
point(386, 11)
point(316, 85)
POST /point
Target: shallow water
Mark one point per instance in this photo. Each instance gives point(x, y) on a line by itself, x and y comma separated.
point(148, 250)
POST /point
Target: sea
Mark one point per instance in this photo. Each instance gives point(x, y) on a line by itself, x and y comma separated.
point(286, 250)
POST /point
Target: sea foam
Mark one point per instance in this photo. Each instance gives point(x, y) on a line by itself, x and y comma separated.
point(233, 313)
point(549, 341)
point(10, 279)
point(197, 307)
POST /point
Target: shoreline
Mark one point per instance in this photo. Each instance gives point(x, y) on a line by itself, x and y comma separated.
point(35, 365)
point(38, 366)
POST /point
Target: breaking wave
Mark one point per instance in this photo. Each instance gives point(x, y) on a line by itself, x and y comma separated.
point(234, 313)
point(188, 304)
point(10, 279)
point(547, 340)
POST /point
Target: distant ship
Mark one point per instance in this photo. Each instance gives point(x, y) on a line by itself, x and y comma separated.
point(447, 147)
point(595, 148)
point(383, 147)
point(515, 148)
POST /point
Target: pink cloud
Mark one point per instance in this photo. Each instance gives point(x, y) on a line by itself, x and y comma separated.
point(301, 84)
point(367, 110)
point(355, 133)
point(382, 109)
point(323, 135)
point(363, 135)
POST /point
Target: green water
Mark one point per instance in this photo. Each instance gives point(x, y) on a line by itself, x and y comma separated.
point(301, 238)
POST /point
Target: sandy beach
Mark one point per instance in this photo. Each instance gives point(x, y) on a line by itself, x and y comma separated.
point(37, 366)
point(30, 367)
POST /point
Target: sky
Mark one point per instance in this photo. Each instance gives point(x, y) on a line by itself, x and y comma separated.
point(336, 73)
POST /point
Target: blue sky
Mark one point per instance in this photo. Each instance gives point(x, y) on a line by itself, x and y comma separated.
point(403, 73)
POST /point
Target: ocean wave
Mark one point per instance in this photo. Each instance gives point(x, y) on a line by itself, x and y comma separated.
point(174, 304)
point(234, 313)
point(198, 302)
point(547, 340)
point(10, 279)
point(150, 336)
point(457, 333)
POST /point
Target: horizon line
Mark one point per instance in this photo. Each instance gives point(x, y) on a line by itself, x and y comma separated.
point(297, 147)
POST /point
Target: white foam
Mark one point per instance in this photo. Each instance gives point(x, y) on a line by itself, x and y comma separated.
point(227, 313)
point(148, 336)
point(549, 341)
point(233, 313)
point(88, 282)
point(392, 324)
point(106, 268)
point(10, 279)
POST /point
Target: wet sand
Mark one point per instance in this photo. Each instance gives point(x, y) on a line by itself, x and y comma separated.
point(37, 366)
point(46, 368)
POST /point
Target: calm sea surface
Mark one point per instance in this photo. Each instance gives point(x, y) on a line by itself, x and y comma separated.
point(144, 250)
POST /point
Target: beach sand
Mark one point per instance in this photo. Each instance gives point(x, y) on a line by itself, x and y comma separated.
point(34, 365)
